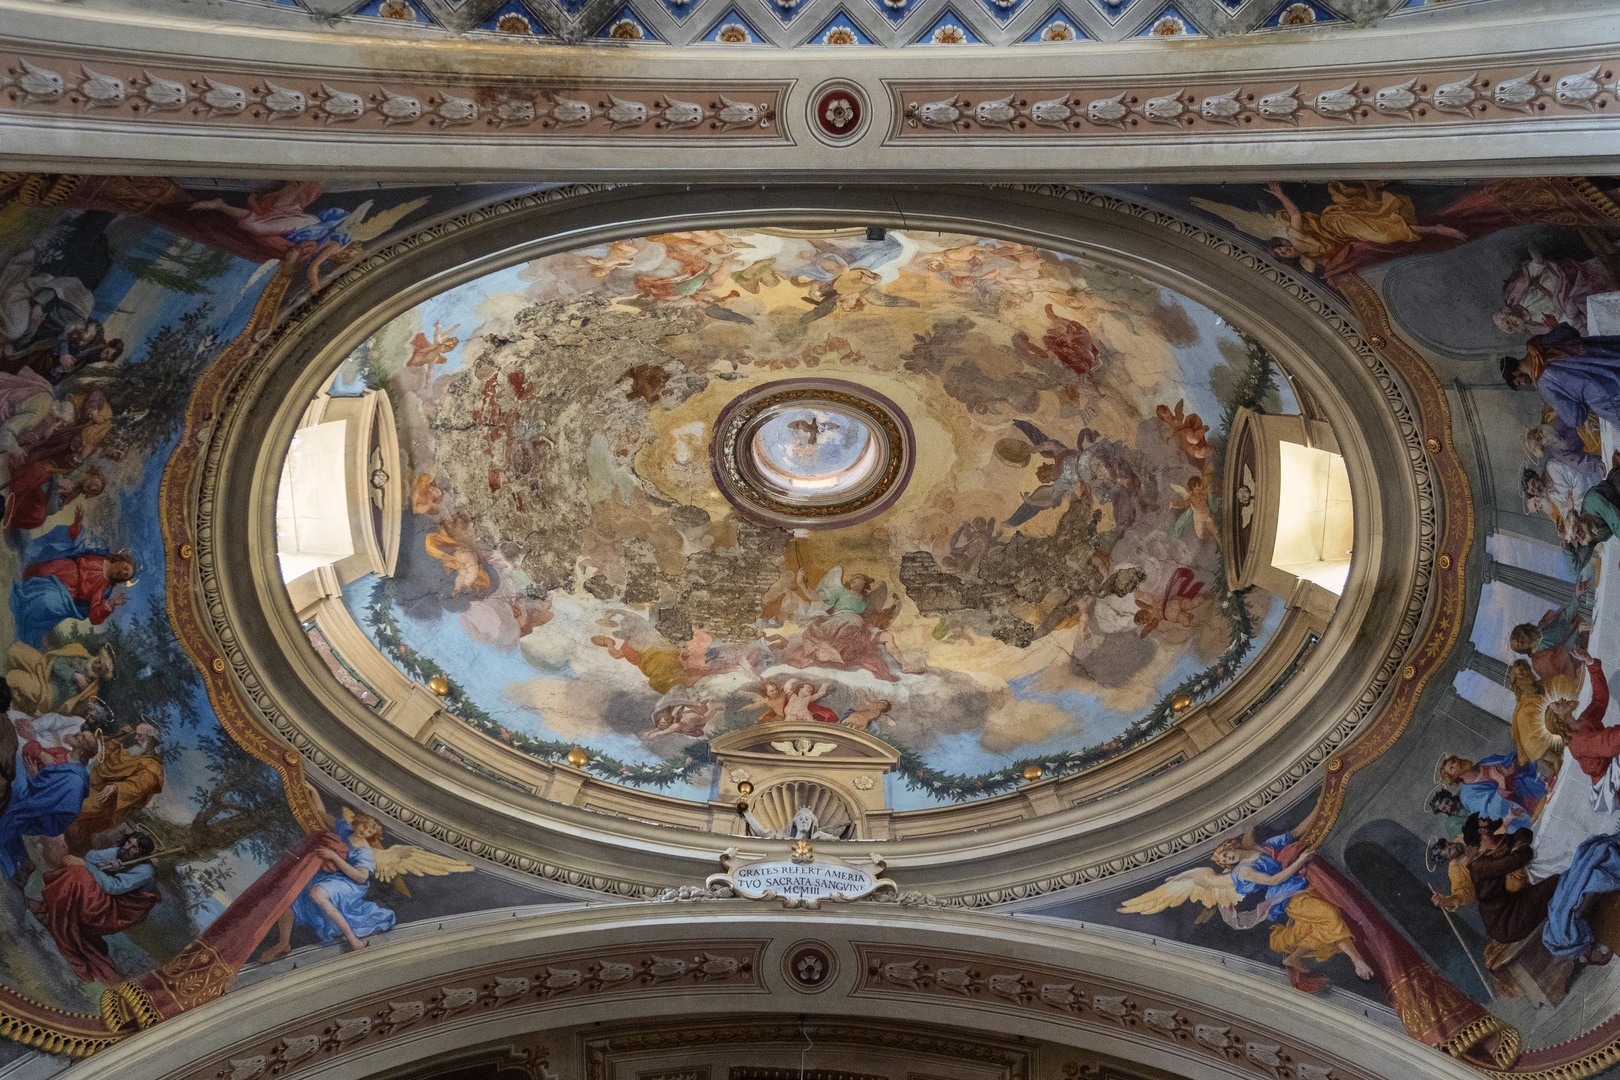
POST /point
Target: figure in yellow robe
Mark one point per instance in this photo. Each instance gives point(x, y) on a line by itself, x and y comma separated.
point(62, 681)
point(121, 784)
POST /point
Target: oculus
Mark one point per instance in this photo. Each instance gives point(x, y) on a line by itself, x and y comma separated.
point(812, 453)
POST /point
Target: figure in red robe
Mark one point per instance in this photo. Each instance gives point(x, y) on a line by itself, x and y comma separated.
point(87, 899)
point(67, 579)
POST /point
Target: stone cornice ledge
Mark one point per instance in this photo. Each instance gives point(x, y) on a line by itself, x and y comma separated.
point(188, 96)
point(361, 1015)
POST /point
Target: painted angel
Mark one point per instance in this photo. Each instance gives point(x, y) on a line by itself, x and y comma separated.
point(853, 632)
point(344, 236)
point(1314, 927)
point(430, 352)
point(453, 545)
point(769, 700)
point(334, 902)
point(1185, 430)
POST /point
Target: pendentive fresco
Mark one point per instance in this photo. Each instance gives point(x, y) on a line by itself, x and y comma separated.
point(576, 569)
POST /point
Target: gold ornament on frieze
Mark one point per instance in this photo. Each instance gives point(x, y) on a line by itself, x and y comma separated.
point(802, 879)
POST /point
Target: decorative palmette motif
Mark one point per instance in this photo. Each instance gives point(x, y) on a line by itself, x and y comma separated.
point(546, 983)
point(207, 97)
point(1041, 992)
point(1532, 93)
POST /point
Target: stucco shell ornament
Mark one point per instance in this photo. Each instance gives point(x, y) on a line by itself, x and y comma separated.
point(804, 274)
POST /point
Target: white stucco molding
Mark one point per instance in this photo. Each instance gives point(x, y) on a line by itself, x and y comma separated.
point(1265, 763)
point(358, 1016)
point(1512, 92)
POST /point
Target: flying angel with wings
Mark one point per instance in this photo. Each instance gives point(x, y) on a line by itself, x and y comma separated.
point(346, 236)
point(852, 632)
point(1314, 927)
point(1065, 467)
point(334, 902)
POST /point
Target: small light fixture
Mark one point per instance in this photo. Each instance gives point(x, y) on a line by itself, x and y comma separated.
point(1033, 773)
point(439, 685)
point(876, 234)
point(577, 758)
point(744, 790)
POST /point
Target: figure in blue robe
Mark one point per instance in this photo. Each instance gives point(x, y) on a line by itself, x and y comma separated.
point(1484, 798)
point(64, 578)
point(345, 894)
point(1280, 893)
point(1595, 869)
point(1573, 374)
point(49, 802)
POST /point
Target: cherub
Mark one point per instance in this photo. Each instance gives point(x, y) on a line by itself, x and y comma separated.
point(620, 253)
point(769, 700)
point(453, 545)
point(530, 614)
point(864, 715)
point(426, 495)
point(429, 354)
point(1186, 430)
point(1193, 501)
point(690, 718)
point(800, 706)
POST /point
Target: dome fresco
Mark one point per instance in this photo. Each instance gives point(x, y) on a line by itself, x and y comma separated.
point(1040, 589)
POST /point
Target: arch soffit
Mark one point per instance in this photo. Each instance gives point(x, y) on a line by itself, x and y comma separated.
point(251, 624)
point(388, 1009)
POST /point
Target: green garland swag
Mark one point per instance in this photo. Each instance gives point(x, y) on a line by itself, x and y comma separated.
point(1254, 386)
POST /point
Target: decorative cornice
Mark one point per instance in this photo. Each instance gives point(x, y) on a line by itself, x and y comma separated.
point(633, 979)
point(1410, 95)
point(234, 96)
point(549, 981)
point(228, 415)
point(890, 971)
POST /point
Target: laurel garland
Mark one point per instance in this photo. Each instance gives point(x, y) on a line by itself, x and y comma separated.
point(1256, 383)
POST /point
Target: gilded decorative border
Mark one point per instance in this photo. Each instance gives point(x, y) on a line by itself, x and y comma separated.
point(1450, 593)
point(186, 547)
point(1302, 769)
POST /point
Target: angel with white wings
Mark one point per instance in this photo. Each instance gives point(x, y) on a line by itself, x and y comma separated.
point(851, 632)
point(1352, 217)
point(345, 234)
point(334, 902)
point(1313, 928)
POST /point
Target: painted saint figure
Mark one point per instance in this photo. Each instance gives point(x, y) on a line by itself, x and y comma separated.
point(88, 898)
point(851, 633)
point(1573, 374)
point(48, 802)
point(1496, 787)
point(66, 578)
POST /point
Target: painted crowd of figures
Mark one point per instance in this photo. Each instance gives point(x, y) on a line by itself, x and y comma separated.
point(85, 421)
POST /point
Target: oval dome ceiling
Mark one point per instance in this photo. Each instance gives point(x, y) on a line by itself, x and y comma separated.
point(960, 496)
